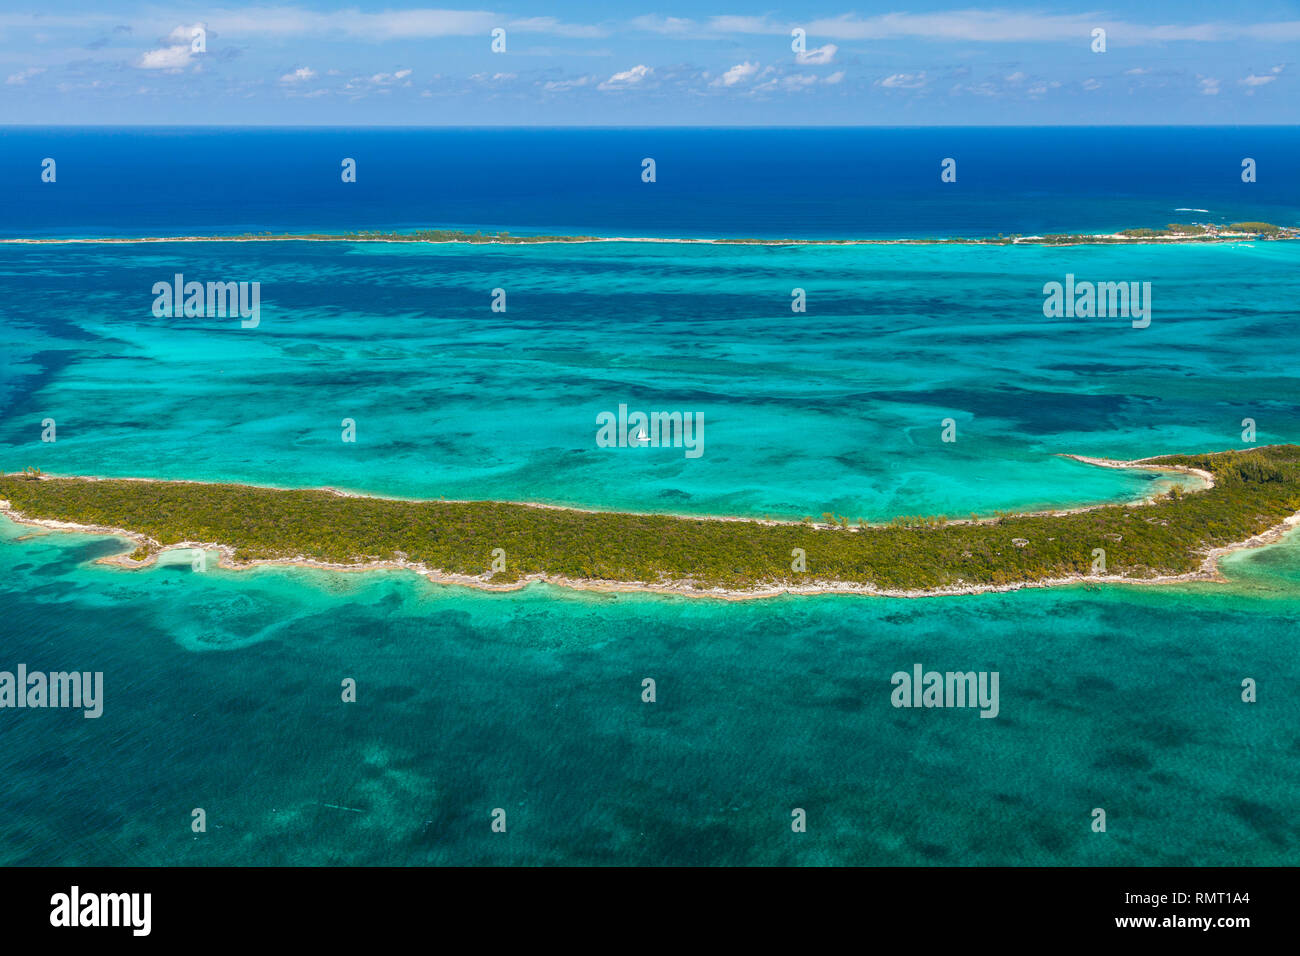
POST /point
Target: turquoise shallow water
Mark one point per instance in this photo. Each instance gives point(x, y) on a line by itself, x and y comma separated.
point(222, 692)
point(223, 688)
point(837, 409)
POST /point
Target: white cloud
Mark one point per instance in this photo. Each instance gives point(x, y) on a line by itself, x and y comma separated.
point(747, 25)
point(904, 81)
point(627, 78)
point(1091, 84)
point(1137, 71)
point(275, 18)
point(737, 74)
point(184, 35)
point(1253, 80)
point(1016, 77)
point(557, 86)
point(174, 58)
point(1209, 85)
point(793, 81)
point(1007, 26)
point(298, 75)
point(962, 25)
point(819, 56)
point(387, 79)
point(554, 27)
point(264, 21)
point(20, 78)
point(657, 24)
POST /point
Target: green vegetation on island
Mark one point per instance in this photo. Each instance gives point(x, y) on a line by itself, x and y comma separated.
point(456, 235)
point(1260, 230)
point(1254, 491)
point(1172, 233)
point(1173, 229)
point(418, 235)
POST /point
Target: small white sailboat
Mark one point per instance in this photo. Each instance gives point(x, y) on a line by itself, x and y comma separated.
point(641, 437)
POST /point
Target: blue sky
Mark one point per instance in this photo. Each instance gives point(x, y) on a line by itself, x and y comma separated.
point(624, 62)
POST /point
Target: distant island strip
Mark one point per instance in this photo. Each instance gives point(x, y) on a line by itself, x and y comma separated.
point(1174, 232)
point(1249, 498)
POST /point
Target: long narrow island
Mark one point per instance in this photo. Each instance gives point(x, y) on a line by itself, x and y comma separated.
point(1249, 497)
point(1172, 233)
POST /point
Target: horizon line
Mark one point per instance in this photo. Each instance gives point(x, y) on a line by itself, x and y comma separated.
point(579, 126)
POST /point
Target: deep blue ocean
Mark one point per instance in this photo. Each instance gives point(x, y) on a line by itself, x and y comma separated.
point(222, 689)
point(771, 183)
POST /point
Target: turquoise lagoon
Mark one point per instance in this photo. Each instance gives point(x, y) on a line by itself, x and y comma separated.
point(838, 409)
point(223, 688)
